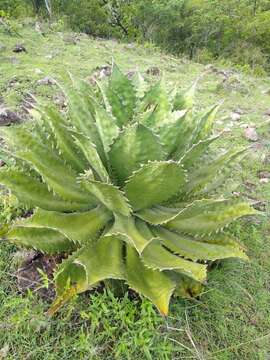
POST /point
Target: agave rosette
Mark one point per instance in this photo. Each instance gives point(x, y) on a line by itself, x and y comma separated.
point(123, 183)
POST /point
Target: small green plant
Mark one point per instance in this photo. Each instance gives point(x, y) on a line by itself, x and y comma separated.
point(123, 183)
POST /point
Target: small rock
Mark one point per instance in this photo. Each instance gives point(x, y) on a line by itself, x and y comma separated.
point(71, 39)
point(46, 81)
point(239, 111)
point(100, 73)
point(235, 116)
point(19, 48)
point(264, 174)
point(209, 67)
point(8, 117)
point(153, 70)
point(264, 180)
point(130, 46)
point(130, 74)
point(250, 133)
point(4, 352)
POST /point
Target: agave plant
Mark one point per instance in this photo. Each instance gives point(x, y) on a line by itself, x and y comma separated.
point(123, 185)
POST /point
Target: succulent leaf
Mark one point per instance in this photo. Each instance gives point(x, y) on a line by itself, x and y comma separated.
point(122, 97)
point(77, 226)
point(159, 182)
point(194, 249)
point(42, 239)
point(155, 256)
point(109, 195)
point(208, 216)
point(153, 284)
point(31, 192)
point(134, 146)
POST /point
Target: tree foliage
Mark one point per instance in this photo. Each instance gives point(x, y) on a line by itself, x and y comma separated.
point(202, 29)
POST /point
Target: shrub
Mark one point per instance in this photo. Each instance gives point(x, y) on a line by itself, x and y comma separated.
point(123, 182)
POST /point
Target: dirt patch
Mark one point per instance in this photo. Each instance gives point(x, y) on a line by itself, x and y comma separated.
point(36, 274)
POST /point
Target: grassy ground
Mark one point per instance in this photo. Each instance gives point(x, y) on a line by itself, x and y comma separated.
point(232, 319)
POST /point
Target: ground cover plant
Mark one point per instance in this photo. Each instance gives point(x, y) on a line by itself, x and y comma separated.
point(231, 318)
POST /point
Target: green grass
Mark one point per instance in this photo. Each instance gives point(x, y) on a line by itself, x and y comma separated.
point(232, 319)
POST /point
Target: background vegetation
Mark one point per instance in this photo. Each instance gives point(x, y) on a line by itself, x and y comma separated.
point(238, 30)
point(232, 319)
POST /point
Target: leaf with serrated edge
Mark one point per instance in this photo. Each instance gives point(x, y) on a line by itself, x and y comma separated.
point(109, 195)
point(200, 177)
point(131, 231)
point(107, 128)
point(91, 154)
point(205, 124)
point(207, 216)
point(196, 151)
point(68, 149)
point(57, 175)
point(195, 250)
point(154, 183)
point(157, 99)
point(134, 146)
point(99, 261)
point(173, 131)
point(185, 100)
point(153, 284)
point(42, 239)
point(158, 214)
point(32, 192)
point(81, 227)
point(155, 256)
point(122, 97)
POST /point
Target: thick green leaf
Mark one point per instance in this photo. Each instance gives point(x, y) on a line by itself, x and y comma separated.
point(208, 216)
point(173, 131)
point(42, 239)
point(81, 226)
point(91, 264)
point(122, 97)
point(155, 256)
point(154, 183)
point(57, 175)
point(158, 214)
point(185, 100)
point(135, 233)
point(195, 250)
point(65, 144)
point(156, 99)
point(153, 284)
point(205, 124)
point(196, 151)
point(90, 152)
point(109, 195)
point(200, 178)
point(107, 128)
point(81, 113)
point(31, 192)
point(134, 146)
point(140, 85)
